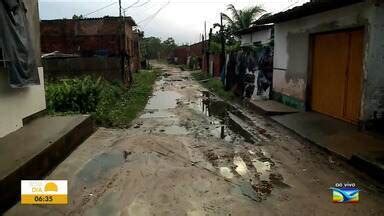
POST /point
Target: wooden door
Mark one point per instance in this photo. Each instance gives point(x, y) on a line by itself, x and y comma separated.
point(336, 74)
point(354, 77)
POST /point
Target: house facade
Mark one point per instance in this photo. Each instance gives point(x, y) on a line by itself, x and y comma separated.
point(328, 58)
point(180, 54)
point(17, 104)
point(256, 35)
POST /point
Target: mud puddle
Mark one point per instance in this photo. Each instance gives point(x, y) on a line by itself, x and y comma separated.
point(218, 111)
point(99, 166)
point(163, 100)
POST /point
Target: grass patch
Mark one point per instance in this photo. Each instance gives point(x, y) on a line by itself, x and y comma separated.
point(214, 85)
point(110, 103)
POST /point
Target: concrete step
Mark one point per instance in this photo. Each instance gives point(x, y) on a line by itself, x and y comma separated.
point(271, 107)
point(32, 151)
point(370, 162)
point(363, 150)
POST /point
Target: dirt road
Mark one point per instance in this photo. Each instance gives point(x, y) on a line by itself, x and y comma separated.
point(187, 155)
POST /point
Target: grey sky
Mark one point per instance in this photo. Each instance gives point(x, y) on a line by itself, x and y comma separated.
point(180, 19)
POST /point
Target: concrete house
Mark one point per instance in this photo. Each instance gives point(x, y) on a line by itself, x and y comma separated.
point(17, 104)
point(328, 58)
point(256, 35)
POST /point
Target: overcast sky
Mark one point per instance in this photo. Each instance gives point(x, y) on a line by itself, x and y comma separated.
point(181, 19)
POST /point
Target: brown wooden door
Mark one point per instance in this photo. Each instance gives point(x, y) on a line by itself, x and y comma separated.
point(336, 74)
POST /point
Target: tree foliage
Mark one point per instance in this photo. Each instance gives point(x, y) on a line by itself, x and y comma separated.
point(153, 47)
point(241, 19)
point(150, 47)
point(77, 16)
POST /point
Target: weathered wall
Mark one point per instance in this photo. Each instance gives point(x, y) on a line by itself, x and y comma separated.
point(215, 64)
point(263, 36)
point(86, 37)
point(181, 53)
point(17, 104)
point(196, 50)
point(292, 52)
point(373, 98)
point(106, 67)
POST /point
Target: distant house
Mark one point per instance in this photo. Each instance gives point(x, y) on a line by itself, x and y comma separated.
point(18, 104)
point(180, 54)
point(107, 37)
point(328, 57)
point(135, 55)
point(256, 35)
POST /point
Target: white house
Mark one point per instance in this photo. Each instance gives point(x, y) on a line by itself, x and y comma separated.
point(256, 35)
point(329, 57)
point(17, 104)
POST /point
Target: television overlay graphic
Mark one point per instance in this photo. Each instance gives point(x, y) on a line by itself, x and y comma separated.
point(44, 192)
point(345, 193)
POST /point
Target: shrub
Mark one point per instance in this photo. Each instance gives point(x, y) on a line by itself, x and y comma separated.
point(111, 104)
point(75, 95)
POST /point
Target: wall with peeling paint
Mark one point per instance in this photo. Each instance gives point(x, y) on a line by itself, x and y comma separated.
point(374, 65)
point(292, 52)
point(19, 103)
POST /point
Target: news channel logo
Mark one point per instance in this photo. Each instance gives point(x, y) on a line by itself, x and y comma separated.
point(345, 193)
point(44, 192)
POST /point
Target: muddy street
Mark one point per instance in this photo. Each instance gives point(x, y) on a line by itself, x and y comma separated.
point(190, 153)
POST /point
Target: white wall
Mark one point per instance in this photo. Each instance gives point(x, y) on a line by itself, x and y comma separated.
point(16, 104)
point(292, 49)
point(263, 36)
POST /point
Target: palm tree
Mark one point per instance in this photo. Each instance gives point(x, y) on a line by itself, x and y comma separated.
point(242, 19)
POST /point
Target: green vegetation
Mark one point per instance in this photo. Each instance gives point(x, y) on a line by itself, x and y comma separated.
point(154, 48)
point(111, 104)
point(234, 21)
point(214, 85)
point(241, 19)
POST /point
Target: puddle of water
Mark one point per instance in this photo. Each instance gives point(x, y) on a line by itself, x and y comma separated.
point(219, 109)
point(221, 131)
point(245, 188)
point(99, 166)
point(241, 167)
point(163, 100)
point(157, 114)
point(107, 205)
point(226, 172)
point(263, 168)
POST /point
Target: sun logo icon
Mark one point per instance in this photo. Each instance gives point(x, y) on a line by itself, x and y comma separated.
point(50, 186)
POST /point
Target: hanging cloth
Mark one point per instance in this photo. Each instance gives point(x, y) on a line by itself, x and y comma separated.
point(16, 43)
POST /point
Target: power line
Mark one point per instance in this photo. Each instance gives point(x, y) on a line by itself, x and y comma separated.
point(100, 9)
point(143, 4)
point(291, 5)
point(151, 17)
point(133, 4)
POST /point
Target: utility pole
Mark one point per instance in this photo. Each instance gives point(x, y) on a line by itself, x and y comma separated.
point(121, 52)
point(208, 51)
point(222, 43)
point(205, 50)
point(205, 30)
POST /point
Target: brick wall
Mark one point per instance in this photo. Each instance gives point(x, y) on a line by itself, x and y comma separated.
point(86, 37)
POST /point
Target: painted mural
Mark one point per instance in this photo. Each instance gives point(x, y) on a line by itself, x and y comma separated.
point(248, 72)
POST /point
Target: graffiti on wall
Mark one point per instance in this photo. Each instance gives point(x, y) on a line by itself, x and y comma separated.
point(248, 72)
